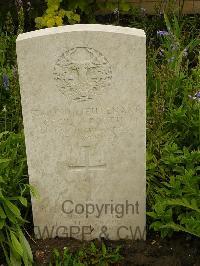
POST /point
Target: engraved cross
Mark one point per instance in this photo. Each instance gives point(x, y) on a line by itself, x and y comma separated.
point(86, 166)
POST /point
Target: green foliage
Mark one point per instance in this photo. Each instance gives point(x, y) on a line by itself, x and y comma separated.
point(21, 19)
point(10, 104)
point(91, 255)
point(14, 188)
point(177, 202)
point(14, 191)
point(74, 11)
point(173, 133)
point(54, 15)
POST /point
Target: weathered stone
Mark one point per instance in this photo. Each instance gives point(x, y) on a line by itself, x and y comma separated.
point(83, 102)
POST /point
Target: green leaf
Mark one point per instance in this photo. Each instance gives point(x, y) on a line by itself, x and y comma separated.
point(2, 223)
point(2, 237)
point(156, 225)
point(3, 133)
point(16, 244)
point(152, 214)
point(167, 22)
point(34, 192)
point(26, 246)
point(15, 259)
point(104, 250)
point(182, 202)
point(10, 215)
point(4, 161)
point(93, 247)
point(23, 201)
point(13, 208)
point(2, 213)
point(76, 18)
point(178, 228)
point(2, 179)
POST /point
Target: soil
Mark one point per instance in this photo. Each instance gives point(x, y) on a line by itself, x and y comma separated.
point(179, 251)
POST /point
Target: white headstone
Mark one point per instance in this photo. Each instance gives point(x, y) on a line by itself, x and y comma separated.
point(83, 101)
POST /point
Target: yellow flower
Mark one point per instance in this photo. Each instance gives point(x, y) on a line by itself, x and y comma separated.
point(59, 21)
point(51, 22)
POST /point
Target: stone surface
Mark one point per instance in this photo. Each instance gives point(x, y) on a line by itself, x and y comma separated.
point(83, 102)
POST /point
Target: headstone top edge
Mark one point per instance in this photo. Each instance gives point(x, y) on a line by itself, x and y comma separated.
point(80, 28)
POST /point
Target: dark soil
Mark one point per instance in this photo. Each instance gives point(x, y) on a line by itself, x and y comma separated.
point(179, 251)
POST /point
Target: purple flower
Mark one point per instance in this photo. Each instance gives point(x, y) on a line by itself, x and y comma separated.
point(195, 97)
point(5, 82)
point(162, 33)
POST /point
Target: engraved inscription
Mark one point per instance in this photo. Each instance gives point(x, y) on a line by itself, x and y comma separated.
point(89, 125)
point(95, 125)
point(82, 73)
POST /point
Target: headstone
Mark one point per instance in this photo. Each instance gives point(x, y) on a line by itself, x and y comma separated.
point(83, 101)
